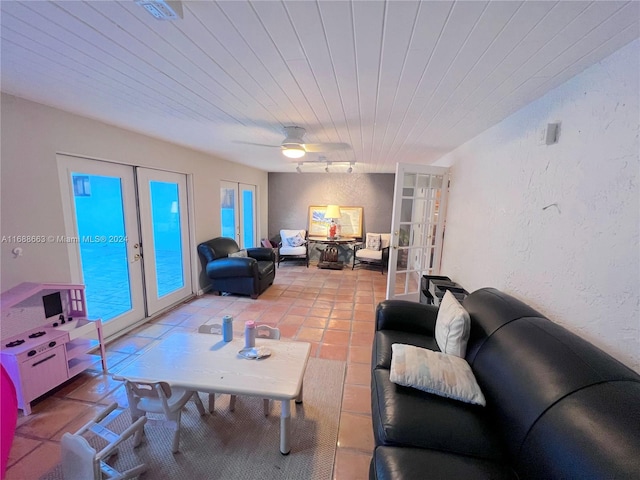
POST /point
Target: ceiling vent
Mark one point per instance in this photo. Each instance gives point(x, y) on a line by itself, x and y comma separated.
point(161, 9)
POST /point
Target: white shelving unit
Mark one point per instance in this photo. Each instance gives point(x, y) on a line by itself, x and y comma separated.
point(85, 336)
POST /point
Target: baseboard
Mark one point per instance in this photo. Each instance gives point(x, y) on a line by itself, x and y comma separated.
point(204, 290)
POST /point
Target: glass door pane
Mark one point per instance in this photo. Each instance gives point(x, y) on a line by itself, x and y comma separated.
point(165, 217)
point(103, 250)
point(165, 237)
point(248, 234)
point(228, 210)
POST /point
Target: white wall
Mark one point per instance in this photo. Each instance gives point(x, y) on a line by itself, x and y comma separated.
point(31, 202)
point(558, 226)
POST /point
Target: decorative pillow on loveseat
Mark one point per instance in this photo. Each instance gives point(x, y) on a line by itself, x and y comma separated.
point(453, 326)
point(434, 372)
point(239, 253)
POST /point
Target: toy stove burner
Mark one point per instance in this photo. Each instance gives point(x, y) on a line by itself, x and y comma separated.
point(37, 340)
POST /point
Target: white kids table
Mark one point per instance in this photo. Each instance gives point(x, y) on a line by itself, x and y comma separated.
point(205, 363)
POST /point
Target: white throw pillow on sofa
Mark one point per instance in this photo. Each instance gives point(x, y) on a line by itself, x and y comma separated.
point(434, 372)
point(452, 326)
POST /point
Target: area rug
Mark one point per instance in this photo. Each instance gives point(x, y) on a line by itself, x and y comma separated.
point(243, 444)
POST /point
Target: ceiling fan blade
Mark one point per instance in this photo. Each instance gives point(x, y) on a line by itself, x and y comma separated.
point(325, 147)
point(256, 144)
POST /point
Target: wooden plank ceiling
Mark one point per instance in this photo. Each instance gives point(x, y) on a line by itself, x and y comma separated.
point(396, 80)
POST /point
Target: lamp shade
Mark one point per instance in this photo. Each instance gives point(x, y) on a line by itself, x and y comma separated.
point(333, 211)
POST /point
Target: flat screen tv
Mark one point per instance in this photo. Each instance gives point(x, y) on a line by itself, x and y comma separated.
point(52, 304)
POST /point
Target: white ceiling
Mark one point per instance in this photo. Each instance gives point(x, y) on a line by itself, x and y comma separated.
point(397, 80)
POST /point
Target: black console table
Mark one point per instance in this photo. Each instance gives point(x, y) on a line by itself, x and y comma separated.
point(329, 256)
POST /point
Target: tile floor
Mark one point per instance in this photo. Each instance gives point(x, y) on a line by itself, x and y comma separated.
point(334, 310)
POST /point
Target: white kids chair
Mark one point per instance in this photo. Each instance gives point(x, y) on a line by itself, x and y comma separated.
point(159, 397)
point(80, 461)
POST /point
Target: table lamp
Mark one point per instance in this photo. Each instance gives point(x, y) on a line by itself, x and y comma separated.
point(332, 213)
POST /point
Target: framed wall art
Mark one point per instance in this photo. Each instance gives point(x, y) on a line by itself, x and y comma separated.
point(350, 222)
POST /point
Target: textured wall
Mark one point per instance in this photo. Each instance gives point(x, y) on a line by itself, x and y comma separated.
point(558, 226)
point(291, 194)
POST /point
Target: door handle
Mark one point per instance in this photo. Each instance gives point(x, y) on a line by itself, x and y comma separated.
point(43, 360)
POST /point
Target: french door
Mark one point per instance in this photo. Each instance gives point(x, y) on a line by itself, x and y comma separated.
point(417, 228)
point(129, 238)
point(238, 217)
point(162, 198)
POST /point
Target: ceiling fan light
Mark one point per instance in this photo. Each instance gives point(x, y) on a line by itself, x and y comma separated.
point(293, 152)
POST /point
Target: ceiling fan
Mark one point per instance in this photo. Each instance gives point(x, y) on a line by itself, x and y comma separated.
point(293, 146)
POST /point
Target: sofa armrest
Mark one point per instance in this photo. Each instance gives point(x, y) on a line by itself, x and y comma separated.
point(406, 316)
point(262, 253)
point(232, 267)
point(206, 252)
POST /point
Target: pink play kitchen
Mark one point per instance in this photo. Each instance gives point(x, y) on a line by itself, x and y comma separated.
point(46, 337)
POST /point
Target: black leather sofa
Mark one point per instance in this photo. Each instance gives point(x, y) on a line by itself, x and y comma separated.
point(557, 406)
point(250, 275)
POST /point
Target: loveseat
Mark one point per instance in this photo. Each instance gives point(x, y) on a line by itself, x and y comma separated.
point(557, 407)
point(230, 269)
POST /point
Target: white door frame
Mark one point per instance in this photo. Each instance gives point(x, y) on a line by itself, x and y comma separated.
point(239, 219)
point(66, 166)
point(423, 248)
point(156, 303)
point(68, 163)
